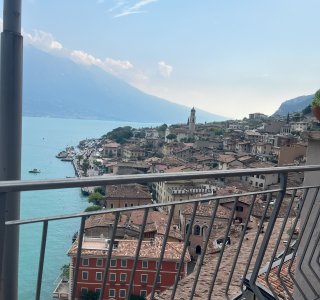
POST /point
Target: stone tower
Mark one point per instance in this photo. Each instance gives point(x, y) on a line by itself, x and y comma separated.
point(192, 121)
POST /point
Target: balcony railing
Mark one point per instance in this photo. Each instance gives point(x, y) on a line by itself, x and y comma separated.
point(262, 254)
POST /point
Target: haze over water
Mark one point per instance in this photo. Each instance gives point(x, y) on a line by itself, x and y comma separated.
point(43, 138)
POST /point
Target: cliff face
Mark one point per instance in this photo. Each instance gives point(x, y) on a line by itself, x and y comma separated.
point(294, 105)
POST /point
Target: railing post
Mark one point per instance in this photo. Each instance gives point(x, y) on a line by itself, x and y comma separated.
point(10, 138)
point(267, 235)
point(304, 275)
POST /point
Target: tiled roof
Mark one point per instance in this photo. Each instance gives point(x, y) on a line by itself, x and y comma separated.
point(274, 280)
point(206, 210)
point(210, 263)
point(226, 158)
point(101, 220)
point(126, 248)
point(132, 191)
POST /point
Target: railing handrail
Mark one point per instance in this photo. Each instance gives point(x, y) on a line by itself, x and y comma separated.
point(32, 185)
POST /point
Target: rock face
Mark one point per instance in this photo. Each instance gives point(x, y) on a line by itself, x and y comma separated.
point(58, 87)
point(294, 105)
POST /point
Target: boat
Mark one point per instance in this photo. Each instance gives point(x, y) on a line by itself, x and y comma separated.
point(62, 154)
point(34, 171)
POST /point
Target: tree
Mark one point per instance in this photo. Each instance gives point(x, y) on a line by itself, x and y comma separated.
point(100, 190)
point(85, 166)
point(95, 198)
point(93, 208)
point(120, 134)
point(65, 270)
point(171, 136)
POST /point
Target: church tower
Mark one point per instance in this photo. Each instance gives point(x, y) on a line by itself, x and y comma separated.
point(192, 121)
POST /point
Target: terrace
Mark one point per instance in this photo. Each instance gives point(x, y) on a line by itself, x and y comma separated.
point(273, 252)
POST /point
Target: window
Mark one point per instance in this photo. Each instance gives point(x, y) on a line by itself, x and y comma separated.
point(99, 262)
point(126, 205)
point(157, 264)
point(85, 275)
point(113, 263)
point(177, 265)
point(98, 276)
point(144, 278)
point(112, 293)
point(143, 293)
point(111, 205)
point(239, 208)
point(112, 277)
point(159, 279)
point(98, 291)
point(196, 230)
point(123, 263)
point(145, 264)
point(123, 277)
point(122, 293)
point(85, 261)
point(84, 290)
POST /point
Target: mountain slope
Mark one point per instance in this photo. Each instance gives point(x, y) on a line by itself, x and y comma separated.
point(58, 87)
point(294, 105)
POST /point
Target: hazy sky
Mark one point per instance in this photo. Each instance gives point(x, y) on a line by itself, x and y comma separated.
point(229, 57)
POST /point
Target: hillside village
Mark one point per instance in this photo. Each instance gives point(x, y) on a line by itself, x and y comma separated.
point(258, 141)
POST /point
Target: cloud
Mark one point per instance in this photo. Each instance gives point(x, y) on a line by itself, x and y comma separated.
point(80, 56)
point(42, 40)
point(132, 9)
point(165, 70)
point(123, 64)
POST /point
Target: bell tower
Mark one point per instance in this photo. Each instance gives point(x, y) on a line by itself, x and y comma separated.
point(192, 121)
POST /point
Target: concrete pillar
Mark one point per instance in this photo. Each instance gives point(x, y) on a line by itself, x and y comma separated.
point(305, 277)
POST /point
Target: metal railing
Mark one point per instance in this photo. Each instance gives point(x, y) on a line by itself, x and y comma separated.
point(253, 259)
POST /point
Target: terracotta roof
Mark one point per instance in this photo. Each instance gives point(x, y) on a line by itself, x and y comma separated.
point(111, 145)
point(131, 191)
point(226, 158)
point(101, 220)
point(274, 280)
point(206, 210)
point(210, 263)
point(127, 248)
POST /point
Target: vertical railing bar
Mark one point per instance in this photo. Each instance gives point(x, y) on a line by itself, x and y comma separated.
point(277, 245)
point(41, 258)
point(105, 274)
point(223, 247)
point(145, 216)
point(200, 261)
point(290, 273)
point(79, 250)
point(255, 241)
point(239, 245)
point(308, 243)
point(185, 246)
point(268, 233)
point(163, 247)
point(314, 250)
point(289, 243)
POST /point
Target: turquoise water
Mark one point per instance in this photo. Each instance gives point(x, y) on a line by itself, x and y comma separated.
point(43, 138)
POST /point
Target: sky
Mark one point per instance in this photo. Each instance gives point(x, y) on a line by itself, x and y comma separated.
point(228, 57)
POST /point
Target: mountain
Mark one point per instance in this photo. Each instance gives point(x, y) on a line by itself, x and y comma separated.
point(57, 87)
point(294, 105)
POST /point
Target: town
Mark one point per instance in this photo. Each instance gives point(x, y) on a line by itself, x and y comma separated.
point(257, 141)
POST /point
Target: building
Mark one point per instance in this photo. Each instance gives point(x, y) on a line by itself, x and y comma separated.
point(133, 152)
point(93, 263)
point(192, 121)
point(288, 154)
point(111, 149)
point(126, 195)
